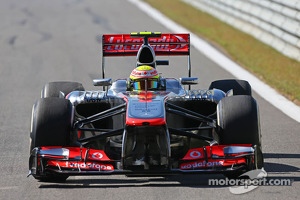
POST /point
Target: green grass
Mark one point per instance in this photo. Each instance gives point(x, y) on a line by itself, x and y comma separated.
point(275, 69)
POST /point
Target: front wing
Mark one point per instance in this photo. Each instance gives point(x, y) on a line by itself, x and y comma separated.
point(84, 161)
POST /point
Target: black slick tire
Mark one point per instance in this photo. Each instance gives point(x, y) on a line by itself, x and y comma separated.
point(239, 123)
point(240, 87)
point(57, 89)
point(51, 126)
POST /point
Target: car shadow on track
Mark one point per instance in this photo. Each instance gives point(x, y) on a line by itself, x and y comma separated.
point(274, 167)
point(198, 181)
point(280, 170)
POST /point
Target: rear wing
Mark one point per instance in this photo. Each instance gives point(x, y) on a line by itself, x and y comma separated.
point(162, 43)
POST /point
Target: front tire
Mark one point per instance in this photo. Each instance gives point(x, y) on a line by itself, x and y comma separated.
point(60, 89)
point(239, 123)
point(51, 122)
point(239, 87)
point(50, 126)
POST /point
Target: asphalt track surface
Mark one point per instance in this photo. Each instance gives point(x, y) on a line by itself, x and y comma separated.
point(44, 41)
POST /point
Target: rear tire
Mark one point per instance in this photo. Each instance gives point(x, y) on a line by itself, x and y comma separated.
point(238, 120)
point(51, 126)
point(54, 89)
point(240, 87)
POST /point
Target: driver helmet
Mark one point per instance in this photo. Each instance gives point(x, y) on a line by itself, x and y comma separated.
point(144, 77)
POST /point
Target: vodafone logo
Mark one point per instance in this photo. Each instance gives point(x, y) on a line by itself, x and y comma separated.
point(89, 166)
point(202, 164)
point(97, 155)
point(195, 154)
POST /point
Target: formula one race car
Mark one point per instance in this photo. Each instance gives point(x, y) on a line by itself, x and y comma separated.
point(147, 124)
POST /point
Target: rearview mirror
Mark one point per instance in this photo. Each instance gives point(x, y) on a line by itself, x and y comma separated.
point(188, 80)
point(102, 82)
point(162, 62)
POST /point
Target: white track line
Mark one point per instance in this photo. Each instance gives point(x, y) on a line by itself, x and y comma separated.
point(265, 91)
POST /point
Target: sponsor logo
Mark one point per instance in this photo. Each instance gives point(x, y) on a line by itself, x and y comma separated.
point(195, 154)
point(97, 155)
point(129, 43)
point(201, 164)
point(144, 73)
point(89, 166)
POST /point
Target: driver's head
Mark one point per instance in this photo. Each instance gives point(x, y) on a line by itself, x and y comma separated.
point(144, 77)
